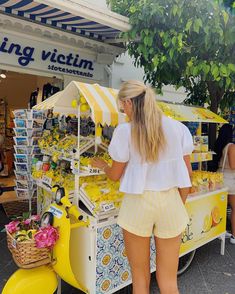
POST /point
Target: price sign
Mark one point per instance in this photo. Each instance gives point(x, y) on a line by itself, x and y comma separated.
point(75, 166)
point(108, 206)
point(94, 171)
point(47, 181)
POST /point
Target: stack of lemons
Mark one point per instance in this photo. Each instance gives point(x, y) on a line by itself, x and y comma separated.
point(57, 177)
point(99, 190)
point(85, 161)
point(206, 181)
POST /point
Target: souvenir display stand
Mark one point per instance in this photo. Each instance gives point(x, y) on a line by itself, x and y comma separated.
point(97, 252)
point(28, 129)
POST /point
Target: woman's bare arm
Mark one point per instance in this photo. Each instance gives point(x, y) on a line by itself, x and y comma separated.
point(185, 191)
point(231, 156)
point(113, 172)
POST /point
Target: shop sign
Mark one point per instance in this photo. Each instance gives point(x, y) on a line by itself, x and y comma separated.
point(31, 54)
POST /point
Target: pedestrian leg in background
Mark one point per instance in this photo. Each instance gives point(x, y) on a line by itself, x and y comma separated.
point(231, 201)
point(138, 254)
point(167, 260)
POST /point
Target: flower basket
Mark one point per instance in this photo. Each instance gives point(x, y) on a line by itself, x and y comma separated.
point(30, 242)
point(26, 254)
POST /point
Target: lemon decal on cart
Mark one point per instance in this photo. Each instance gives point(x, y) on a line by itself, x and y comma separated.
point(215, 214)
point(105, 285)
point(106, 259)
point(124, 253)
point(125, 275)
point(107, 234)
point(207, 224)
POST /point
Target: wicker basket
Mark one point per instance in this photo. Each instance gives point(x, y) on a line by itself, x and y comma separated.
point(26, 254)
point(18, 207)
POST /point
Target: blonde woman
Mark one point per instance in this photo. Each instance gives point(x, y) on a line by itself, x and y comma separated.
point(151, 158)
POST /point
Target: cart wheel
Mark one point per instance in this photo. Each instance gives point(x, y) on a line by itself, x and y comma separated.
point(185, 262)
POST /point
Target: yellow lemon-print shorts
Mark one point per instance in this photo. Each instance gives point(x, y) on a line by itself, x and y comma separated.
point(161, 213)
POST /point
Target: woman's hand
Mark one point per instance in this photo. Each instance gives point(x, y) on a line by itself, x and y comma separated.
point(98, 163)
point(113, 172)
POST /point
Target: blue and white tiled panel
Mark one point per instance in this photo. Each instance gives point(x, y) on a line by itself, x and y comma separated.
point(112, 268)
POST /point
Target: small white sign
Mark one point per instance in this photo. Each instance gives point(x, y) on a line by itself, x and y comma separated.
point(56, 211)
point(13, 243)
point(46, 180)
point(108, 206)
point(75, 166)
point(94, 170)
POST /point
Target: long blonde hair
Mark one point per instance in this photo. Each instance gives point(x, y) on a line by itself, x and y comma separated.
point(147, 133)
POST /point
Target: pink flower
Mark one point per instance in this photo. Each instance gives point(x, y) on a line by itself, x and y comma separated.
point(12, 227)
point(46, 237)
point(35, 218)
point(27, 221)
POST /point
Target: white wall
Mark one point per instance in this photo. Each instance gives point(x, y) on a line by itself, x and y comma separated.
point(100, 3)
point(123, 69)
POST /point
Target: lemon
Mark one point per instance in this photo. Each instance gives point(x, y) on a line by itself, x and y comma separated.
point(215, 214)
point(207, 223)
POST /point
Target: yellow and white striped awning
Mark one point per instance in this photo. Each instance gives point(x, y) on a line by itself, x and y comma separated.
point(104, 110)
point(102, 101)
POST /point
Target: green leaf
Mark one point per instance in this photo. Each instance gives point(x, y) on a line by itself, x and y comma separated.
point(174, 41)
point(206, 29)
point(228, 82)
point(231, 66)
point(25, 215)
point(188, 25)
point(197, 25)
point(223, 70)
point(174, 10)
point(225, 16)
point(150, 41)
point(195, 71)
point(206, 68)
point(132, 9)
point(155, 60)
point(190, 63)
point(132, 34)
point(215, 70)
point(171, 53)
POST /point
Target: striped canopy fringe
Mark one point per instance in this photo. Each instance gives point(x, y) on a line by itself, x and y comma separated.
point(47, 15)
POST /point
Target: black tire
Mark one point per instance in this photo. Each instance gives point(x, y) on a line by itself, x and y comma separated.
point(185, 262)
point(126, 290)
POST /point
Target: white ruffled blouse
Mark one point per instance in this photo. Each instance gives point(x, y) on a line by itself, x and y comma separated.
point(168, 172)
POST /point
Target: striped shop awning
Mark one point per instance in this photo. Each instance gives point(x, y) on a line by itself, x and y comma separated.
point(102, 101)
point(38, 12)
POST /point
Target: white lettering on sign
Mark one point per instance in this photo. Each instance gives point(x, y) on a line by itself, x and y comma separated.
point(108, 206)
point(56, 211)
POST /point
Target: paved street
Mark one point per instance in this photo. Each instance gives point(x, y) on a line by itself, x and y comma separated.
point(209, 273)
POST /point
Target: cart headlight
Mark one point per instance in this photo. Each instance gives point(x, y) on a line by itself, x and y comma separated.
point(46, 219)
point(60, 193)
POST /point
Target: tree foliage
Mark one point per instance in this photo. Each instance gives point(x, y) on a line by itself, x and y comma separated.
point(184, 43)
